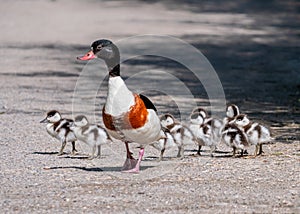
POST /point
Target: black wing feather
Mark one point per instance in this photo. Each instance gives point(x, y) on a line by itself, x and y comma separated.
point(147, 102)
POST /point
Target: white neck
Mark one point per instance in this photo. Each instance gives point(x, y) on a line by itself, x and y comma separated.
point(119, 98)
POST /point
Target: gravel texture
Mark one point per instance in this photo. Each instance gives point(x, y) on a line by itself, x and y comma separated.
point(254, 47)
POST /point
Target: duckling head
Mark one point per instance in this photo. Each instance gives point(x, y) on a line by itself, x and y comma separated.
point(53, 116)
point(242, 120)
point(167, 121)
point(196, 118)
point(232, 111)
point(200, 111)
point(81, 121)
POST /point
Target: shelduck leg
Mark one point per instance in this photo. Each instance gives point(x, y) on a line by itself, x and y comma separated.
point(130, 162)
point(136, 169)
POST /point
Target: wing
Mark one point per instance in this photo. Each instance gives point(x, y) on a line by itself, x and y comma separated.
point(147, 102)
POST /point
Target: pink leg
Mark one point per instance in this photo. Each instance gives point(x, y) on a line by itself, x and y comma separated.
point(130, 162)
point(136, 169)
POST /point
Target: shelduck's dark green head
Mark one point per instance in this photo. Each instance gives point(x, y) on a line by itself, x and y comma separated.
point(106, 50)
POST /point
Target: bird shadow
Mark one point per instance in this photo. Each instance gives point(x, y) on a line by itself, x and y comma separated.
point(76, 157)
point(64, 155)
point(94, 169)
point(208, 151)
point(45, 153)
point(155, 158)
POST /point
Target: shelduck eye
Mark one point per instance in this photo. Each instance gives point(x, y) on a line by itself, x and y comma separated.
point(99, 48)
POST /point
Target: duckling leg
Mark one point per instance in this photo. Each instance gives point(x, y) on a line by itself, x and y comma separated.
point(63, 145)
point(136, 169)
point(256, 150)
point(73, 148)
point(199, 149)
point(130, 162)
point(234, 151)
point(98, 151)
point(93, 153)
point(180, 152)
point(260, 151)
point(212, 150)
point(242, 152)
point(161, 154)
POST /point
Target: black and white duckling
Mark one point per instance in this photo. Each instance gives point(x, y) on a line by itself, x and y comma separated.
point(59, 128)
point(127, 116)
point(231, 112)
point(91, 134)
point(236, 138)
point(166, 142)
point(182, 134)
point(206, 129)
point(257, 134)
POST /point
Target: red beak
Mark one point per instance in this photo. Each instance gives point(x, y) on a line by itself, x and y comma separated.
point(88, 56)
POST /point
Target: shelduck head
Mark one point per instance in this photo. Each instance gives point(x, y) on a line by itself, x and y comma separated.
point(106, 50)
point(81, 121)
point(232, 111)
point(52, 117)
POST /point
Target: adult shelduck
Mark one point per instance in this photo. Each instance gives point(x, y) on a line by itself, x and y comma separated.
point(127, 116)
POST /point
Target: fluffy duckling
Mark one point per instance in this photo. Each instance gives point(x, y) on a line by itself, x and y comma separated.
point(206, 129)
point(257, 134)
point(234, 137)
point(93, 135)
point(181, 134)
point(232, 111)
point(59, 128)
point(164, 143)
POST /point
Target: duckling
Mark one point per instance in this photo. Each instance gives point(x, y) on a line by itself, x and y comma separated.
point(93, 135)
point(256, 133)
point(164, 143)
point(234, 137)
point(181, 133)
point(206, 130)
point(232, 111)
point(58, 128)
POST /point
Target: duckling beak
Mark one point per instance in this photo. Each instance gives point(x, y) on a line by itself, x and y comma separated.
point(44, 120)
point(88, 56)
